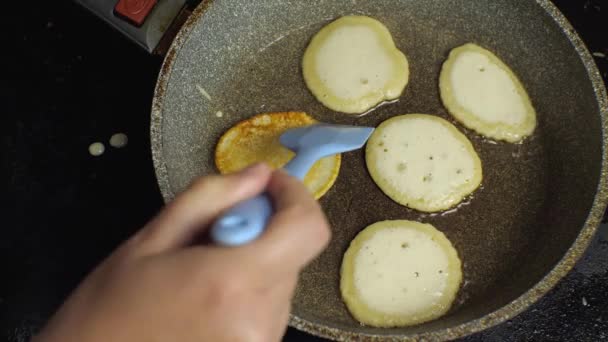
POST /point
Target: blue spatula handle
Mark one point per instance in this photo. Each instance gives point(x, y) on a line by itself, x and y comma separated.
point(246, 221)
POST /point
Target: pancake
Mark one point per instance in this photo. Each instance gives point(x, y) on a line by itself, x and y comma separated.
point(352, 65)
point(257, 140)
point(483, 93)
point(423, 162)
point(399, 273)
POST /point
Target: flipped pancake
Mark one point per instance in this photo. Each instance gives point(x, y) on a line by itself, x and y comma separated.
point(257, 140)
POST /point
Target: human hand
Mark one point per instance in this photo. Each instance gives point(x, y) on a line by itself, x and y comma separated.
point(161, 286)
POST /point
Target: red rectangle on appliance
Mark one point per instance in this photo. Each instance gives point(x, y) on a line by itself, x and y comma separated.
point(135, 11)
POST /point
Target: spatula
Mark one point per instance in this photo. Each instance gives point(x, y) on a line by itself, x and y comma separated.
point(246, 221)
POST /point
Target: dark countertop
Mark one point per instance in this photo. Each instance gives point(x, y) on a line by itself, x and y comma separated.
point(70, 80)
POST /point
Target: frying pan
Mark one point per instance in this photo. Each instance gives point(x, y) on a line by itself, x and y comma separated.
point(517, 235)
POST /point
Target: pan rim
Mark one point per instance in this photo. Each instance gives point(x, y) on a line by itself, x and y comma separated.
point(500, 315)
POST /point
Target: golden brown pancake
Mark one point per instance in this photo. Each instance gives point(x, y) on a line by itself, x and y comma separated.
point(257, 140)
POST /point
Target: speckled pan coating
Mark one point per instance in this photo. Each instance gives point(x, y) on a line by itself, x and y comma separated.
point(540, 202)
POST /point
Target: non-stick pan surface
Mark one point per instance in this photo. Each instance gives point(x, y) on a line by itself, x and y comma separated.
point(540, 200)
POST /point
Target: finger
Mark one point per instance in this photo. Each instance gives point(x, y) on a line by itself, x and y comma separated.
point(194, 210)
point(298, 231)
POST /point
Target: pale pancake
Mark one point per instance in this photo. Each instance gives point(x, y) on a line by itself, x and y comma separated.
point(257, 140)
point(483, 93)
point(423, 162)
point(352, 65)
point(399, 273)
